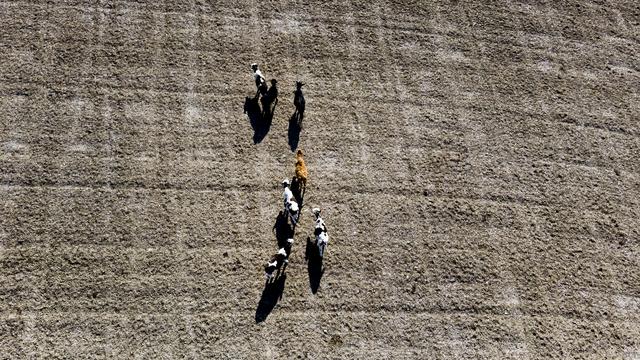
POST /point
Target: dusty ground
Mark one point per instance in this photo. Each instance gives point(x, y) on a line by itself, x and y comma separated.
point(479, 165)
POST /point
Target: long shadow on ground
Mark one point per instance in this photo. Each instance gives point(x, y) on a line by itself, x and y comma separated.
point(270, 295)
point(282, 229)
point(294, 131)
point(298, 189)
point(268, 110)
point(260, 122)
point(314, 266)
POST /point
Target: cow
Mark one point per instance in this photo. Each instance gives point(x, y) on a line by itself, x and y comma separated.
point(277, 263)
point(270, 99)
point(301, 168)
point(261, 83)
point(286, 194)
point(320, 232)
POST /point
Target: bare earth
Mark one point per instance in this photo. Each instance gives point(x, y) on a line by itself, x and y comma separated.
point(478, 163)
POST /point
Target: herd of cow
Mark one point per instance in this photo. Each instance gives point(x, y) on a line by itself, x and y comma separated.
point(293, 191)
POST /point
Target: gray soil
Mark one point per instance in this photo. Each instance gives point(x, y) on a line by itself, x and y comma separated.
point(478, 163)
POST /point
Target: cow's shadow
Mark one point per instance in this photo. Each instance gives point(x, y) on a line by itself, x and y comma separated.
point(271, 294)
point(314, 265)
point(294, 131)
point(298, 189)
point(260, 121)
point(283, 230)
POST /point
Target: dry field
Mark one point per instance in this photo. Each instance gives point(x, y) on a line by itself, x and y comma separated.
point(478, 163)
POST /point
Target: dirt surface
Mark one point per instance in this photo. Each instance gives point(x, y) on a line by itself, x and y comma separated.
point(479, 167)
